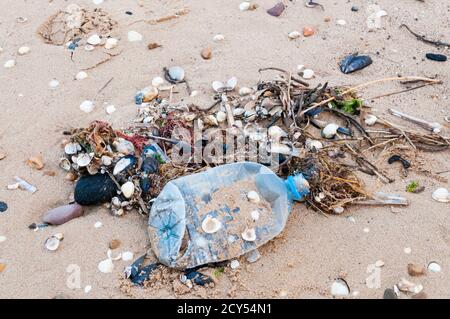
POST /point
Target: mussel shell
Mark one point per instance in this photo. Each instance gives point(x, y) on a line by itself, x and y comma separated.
point(95, 189)
point(354, 63)
point(150, 165)
point(124, 164)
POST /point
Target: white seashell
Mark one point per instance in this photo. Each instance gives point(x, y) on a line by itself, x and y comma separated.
point(330, 130)
point(255, 215)
point(370, 119)
point(106, 160)
point(379, 263)
point(194, 93)
point(234, 264)
point(217, 86)
point(276, 132)
point(218, 38)
point(81, 75)
point(244, 6)
point(231, 83)
point(157, 81)
point(127, 189)
point(98, 224)
point(52, 242)
point(441, 195)
point(124, 147)
point(176, 73)
point(2, 239)
point(94, 40)
point(253, 197)
point(10, 64)
point(113, 256)
point(89, 47)
point(23, 50)
point(127, 256)
point(106, 266)
point(87, 289)
point(407, 286)
point(249, 234)
point(340, 288)
point(308, 74)
point(110, 109)
point(221, 116)
point(72, 148)
point(210, 120)
point(243, 91)
point(210, 225)
point(116, 202)
point(434, 267)
point(97, 2)
point(238, 111)
point(338, 210)
point(134, 36)
point(53, 83)
point(341, 22)
point(64, 164)
point(300, 67)
point(83, 160)
point(294, 35)
point(111, 43)
point(87, 106)
point(381, 13)
point(407, 250)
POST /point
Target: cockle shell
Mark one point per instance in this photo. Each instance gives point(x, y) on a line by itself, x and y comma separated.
point(210, 225)
point(441, 195)
point(253, 197)
point(52, 242)
point(249, 234)
point(127, 189)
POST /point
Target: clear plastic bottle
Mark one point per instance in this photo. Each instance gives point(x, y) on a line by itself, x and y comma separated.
point(175, 227)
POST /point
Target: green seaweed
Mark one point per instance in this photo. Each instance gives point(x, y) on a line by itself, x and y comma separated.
point(349, 106)
point(412, 187)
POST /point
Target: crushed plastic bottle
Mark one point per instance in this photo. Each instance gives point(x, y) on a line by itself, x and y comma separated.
point(175, 227)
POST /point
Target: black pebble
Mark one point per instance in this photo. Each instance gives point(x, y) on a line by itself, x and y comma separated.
point(95, 189)
point(129, 13)
point(355, 8)
point(3, 207)
point(436, 57)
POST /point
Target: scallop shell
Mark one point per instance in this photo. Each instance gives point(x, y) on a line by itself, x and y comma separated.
point(106, 266)
point(127, 189)
point(72, 148)
point(249, 234)
point(441, 195)
point(210, 225)
point(330, 130)
point(83, 160)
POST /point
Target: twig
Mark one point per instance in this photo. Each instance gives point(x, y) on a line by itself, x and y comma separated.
point(106, 84)
point(399, 92)
point(424, 39)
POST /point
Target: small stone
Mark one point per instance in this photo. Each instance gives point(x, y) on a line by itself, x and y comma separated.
point(218, 38)
point(10, 64)
point(2, 267)
point(114, 244)
point(134, 36)
point(206, 53)
point(355, 8)
point(63, 214)
point(277, 9)
point(308, 31)
point(416, 270)
point(294, 35)
point(253, 256)
point(153, 45)
point(436, 57)
point(327, 19)
point(244, 6)
point(23, 50)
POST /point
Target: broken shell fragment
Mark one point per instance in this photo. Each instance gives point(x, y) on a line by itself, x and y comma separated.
point(277, 9)
point(218, 38)
point(294, 35)
point(94, 39)
point(35, 162)
point(221, 116)
point(23, 50)
point(127, 189)
point(340, 288)
point(127, 256)
point(313, 145)
point(9, 64)
point(308, 31)
point(253, 197)
point(243, 91)
point(276, 132)
point(416, 270)
point(210, 120)
point(106, 266)
point(249, 234)
point(134, 36)
point(441, 195)
point(370, 119)
point(111, 43)
point(87, 106)
point(407, 286)
point(330, 131)
point(308, 74)
point(81, 75)
point(210, 225)
point(113, 256)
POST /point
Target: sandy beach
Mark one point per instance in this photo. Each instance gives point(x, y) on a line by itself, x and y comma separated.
point(313, 250)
